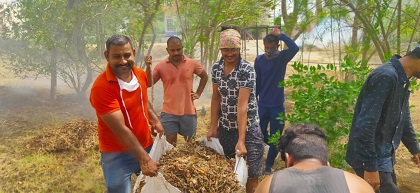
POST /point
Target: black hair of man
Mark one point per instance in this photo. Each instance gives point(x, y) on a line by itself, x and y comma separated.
point(173, 39)
point(415, 53)
point(270, 38)
point(296, 130)
point(118, 40)
point(306, 146)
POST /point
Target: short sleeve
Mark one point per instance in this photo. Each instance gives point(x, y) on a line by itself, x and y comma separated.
point(215, 73)
point(198, 69)
point(104, 100)
point(246, 77)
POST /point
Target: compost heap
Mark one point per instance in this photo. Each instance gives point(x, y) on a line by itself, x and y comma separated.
point(75, 135)
point(193, 167)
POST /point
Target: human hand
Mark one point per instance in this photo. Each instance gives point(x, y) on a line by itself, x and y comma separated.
point(157, 128)
point(416, 159)
point(373, 179)
point(276, 32)
point(211, 133)
point(148, 61)
point(240, 149)
point(194, 95)
point(149, 168)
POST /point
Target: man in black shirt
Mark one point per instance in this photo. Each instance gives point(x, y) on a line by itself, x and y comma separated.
point(382, 120)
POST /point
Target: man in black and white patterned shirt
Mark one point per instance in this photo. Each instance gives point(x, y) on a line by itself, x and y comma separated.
point(234, 110)
point(243, 76)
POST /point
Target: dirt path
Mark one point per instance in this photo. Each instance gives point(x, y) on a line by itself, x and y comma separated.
point(407, 173)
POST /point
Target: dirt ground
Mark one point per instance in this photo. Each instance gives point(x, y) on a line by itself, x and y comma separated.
point(25, 108)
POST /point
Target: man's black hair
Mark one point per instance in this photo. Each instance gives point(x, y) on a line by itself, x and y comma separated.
point(270, 38)
point(306, 146)
point(118, 40)
point(314, 146)
point(173, 39)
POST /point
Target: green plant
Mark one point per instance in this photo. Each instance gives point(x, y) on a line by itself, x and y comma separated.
point(322, 99)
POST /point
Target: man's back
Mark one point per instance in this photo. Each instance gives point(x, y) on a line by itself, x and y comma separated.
point(321, 180)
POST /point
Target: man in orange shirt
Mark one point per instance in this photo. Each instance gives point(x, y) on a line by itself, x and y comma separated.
point(119, 97)
point(177, 74)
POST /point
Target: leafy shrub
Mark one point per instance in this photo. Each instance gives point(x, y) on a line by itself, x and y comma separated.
point(322, 99)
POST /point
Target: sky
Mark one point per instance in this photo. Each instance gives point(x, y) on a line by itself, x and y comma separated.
point(6, 1)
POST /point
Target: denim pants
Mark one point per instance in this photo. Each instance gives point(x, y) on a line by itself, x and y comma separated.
point(270, 115)
point(118, 168)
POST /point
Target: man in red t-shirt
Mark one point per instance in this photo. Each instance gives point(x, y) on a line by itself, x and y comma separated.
point(177, 74)
point(119, 97)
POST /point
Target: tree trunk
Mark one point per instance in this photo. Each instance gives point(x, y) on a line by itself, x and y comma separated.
point(53, 65)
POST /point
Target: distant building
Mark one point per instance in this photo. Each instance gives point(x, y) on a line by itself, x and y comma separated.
point(170, 20)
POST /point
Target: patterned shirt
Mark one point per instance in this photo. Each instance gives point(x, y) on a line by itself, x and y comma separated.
point(242, 76)
point(381, 120)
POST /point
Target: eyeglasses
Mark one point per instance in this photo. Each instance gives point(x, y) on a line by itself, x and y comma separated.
point(229, 50)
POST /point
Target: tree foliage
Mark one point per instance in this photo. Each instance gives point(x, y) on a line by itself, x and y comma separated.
point(200, 22)
point(65, 38)
point(322, 98)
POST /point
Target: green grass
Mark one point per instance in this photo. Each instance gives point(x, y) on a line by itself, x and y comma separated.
point(65, 172)
point(23, 170)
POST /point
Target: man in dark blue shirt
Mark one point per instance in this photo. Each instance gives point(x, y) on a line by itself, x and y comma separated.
point(270, 68)
point(382, 120)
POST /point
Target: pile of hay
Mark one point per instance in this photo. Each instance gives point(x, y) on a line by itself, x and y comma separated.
point(195, 168)
point(75, 135)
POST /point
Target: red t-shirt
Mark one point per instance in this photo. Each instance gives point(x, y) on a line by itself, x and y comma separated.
point(105, 98)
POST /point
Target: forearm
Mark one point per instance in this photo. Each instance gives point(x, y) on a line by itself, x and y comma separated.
point(201, 86)
point(366, 147)
point(291, 45)
point(242, 122)
point(115, 122)
point(242, 109)
point(149, 75)
point(409, 137)
point(128, 139)
point(215, 109)
point(203, 81)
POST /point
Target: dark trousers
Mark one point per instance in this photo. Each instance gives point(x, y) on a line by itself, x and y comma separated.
point(388, 181)
point(269, 115)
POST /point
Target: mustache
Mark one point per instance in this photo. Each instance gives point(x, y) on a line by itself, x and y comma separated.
point(126, 64)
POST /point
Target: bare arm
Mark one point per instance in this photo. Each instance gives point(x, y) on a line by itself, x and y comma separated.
point(214, 116)
point(264, 185)
point(356, 184)
point(243, 99)
point(203, 81)
point(115, 121)
point(148, 61)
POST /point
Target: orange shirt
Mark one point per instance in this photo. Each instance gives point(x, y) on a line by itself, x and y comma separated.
point(177, 85)
point(105, 98)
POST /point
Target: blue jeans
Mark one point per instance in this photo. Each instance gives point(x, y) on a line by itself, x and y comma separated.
point(118, 168)
point(269, 115)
